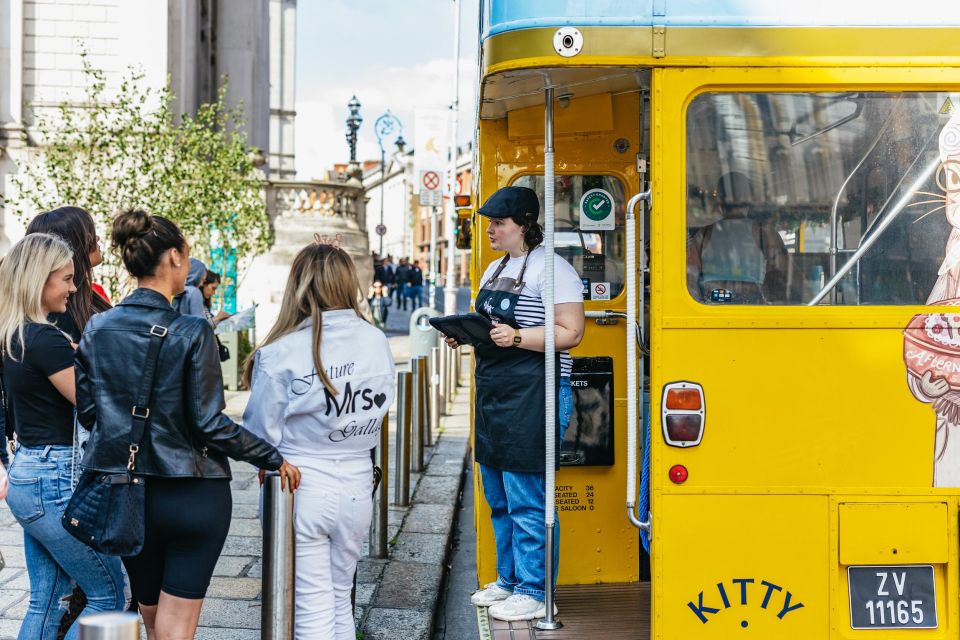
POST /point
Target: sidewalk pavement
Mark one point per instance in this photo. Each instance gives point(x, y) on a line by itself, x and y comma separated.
point(396, 597)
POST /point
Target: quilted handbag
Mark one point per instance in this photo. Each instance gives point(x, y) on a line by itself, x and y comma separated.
point(106, 510)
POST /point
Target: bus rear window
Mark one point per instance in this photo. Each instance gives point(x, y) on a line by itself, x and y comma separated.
point(823, 198)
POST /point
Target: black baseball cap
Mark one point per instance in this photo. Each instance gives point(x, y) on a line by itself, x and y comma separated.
point(512, 202)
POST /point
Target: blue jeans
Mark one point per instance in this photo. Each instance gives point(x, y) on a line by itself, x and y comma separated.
point(416, 295)
point(516, 508)
point(40, 487)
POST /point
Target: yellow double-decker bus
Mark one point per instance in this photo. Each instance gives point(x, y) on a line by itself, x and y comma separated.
point(772, 191)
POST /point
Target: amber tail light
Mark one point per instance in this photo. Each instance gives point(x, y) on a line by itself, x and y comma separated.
point(683, 414)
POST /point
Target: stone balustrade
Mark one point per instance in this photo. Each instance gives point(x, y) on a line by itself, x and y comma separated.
point(316, 199)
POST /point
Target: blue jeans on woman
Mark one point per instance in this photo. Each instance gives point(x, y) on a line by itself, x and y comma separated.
point(516, 502)
point(40, 487)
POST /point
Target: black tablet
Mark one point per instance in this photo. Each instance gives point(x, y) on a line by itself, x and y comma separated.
point(467, 328)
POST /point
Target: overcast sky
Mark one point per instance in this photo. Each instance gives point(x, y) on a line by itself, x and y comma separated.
point(391, 55)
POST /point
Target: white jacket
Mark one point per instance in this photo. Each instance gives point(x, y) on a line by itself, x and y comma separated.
point(291, 409)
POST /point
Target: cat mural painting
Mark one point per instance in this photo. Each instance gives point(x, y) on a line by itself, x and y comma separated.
point(931, 347)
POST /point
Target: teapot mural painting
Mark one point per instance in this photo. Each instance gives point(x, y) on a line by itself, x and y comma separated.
point(931, 342)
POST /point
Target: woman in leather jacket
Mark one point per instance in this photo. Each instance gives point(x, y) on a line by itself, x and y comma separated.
point(188, 438)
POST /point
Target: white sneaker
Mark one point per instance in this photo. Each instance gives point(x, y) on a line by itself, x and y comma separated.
point(489, 595)
point(520, 607)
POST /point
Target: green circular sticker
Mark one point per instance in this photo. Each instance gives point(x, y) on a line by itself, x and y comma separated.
point(596, 205)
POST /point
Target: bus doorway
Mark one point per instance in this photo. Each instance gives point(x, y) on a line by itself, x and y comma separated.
point(601, 140)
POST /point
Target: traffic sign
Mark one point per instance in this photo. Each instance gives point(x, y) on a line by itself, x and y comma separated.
point(381, 230)
point(431, 194)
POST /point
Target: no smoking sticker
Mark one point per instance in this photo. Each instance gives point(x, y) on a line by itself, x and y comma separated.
point(600, 291)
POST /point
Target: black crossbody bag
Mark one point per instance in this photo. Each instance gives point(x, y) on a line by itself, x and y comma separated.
point(106, 511)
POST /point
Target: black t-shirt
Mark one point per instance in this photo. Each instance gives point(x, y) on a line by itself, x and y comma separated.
point(42, 415)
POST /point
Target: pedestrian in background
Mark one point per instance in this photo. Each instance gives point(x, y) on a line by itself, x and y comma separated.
point(76, 227)
point(389, 275)
point(209, 286)
point(416, 285)
point(37, 280)
point(320, 385)
point(379, 301)
point(403, 283)
point(183, 453)
point(189, 301)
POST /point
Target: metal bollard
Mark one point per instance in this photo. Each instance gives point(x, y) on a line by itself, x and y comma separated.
point(457, 369)
point(110, 626)
point(448, 388)
point(419, 411)
point(441, 390)
point(276, 614)
point(378, 525)
point(401, 493)
point(279, 561)
point(434, 390)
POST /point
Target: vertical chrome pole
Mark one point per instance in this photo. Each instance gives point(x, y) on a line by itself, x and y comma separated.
point(445, 354)
point(378, 526)
point(550, 356)
point(423, 363)
point(401, 494)
point(419, 410)
point(279, 567)
point(114, 625)
point(450, 284)
point(434, 392)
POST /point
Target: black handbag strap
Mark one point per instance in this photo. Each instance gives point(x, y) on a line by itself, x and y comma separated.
point(140, 412)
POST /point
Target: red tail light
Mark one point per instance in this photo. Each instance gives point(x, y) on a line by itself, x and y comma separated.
point(683, 414)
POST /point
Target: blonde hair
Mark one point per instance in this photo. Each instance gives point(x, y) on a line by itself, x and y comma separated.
point(322, 278)
point(23, 274)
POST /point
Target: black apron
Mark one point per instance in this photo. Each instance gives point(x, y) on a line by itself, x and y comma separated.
point(509, 411)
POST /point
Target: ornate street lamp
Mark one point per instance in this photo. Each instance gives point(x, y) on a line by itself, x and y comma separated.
point(386, 127)
point(353, 124)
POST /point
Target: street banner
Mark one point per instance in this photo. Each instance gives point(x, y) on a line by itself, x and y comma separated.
point(430, 131)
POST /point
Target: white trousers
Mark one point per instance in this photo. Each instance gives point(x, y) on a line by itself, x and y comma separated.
point(332, 513)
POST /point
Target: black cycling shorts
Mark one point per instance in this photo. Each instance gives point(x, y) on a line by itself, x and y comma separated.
point(187, 520)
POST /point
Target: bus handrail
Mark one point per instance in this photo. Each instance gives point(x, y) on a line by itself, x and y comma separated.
point(881, 227)
point(633, 365)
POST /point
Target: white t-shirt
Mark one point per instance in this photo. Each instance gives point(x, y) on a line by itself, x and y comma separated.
point(568, 287)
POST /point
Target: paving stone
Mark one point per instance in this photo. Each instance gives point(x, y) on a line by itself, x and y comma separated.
point(242, 546)
point(446, 465)
point(430, 518)
point(365, 593)
point(246, 510)
point(18, 610)
point(10, 597)
point(256, 571)
point(247, 497)
point(438, 490)
point(370, 570)
point(14, 579)
point(430, 548)
point(231, 566)
point(391, 624)
point(240, 614)
point(9, 628)
point(212, 633)
point(249, 527)
point(243, 588)
point(409, 585)
point(11, 536)
point(13, 556)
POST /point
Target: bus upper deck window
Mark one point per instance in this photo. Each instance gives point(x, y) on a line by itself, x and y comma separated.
point(766, 171)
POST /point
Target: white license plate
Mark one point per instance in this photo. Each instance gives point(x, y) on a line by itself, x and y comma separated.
point(892, 597)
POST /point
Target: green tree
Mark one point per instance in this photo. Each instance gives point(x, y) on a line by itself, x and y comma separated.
point(127, 149)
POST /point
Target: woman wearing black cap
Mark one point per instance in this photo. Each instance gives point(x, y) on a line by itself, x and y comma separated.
point(509, 400)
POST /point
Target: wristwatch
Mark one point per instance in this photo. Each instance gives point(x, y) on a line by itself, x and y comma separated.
point(516, 337)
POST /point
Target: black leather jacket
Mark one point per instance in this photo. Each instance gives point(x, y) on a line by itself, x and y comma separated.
point(187, 433)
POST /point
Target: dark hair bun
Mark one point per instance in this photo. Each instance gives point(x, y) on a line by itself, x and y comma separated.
point(141, 239)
